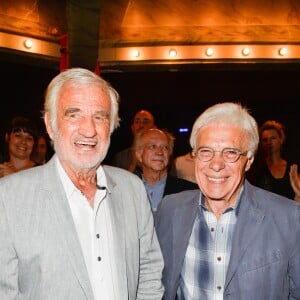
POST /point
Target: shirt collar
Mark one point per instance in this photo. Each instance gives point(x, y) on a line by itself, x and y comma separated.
point(234, 207)
point(162, 181)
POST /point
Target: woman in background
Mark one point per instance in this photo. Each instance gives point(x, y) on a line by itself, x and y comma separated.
point(20, 138)
point(42, 150)
point(271, 168)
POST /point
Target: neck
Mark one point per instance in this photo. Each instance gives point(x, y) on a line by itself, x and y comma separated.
point(152, 177)
point(274, 159)
point(86, 182)
point(217, 207)
point(21, 164)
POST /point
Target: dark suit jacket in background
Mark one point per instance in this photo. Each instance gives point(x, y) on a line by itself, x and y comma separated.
point(176, 185)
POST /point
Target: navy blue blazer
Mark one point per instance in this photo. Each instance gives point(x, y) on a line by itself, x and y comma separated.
point(265, 255)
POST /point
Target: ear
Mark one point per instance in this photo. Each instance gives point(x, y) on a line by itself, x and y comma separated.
point(138, 155)
point(249, 162)
point(132, 129)
point(48, 125)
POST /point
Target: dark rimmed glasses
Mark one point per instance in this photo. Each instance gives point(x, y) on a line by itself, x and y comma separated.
point(229, 155)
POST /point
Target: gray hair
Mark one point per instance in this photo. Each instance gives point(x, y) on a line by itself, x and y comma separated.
point(77, 77)
point(229, 113)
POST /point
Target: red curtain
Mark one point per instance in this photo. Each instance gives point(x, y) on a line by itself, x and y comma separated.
point(64, 53)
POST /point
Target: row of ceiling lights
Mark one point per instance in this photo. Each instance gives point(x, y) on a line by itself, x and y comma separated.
point(176, 52)
point(200, 52)
point(209, 52)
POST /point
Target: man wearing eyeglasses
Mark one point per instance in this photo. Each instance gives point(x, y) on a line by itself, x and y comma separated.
point(231, 240)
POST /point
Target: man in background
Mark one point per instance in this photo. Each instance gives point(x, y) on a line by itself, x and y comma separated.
point(153, 150)
point(126, 159)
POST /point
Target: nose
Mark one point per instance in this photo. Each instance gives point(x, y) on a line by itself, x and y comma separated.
point(23, 139)
point(159, 150)
point(217, 162)
point(87, 127)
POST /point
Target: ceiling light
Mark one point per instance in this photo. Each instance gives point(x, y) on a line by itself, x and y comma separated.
point(209, 51)
point(28, 44)
point(172, 53)
point(135, 53)
point(246, 51)
point(283, 51)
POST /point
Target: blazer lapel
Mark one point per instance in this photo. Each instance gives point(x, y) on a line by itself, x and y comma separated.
point(185, 217)
point(62, 216)
point(249, 221)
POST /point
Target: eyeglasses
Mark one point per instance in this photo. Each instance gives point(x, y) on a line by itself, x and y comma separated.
point(229, 155)
point(153, 147)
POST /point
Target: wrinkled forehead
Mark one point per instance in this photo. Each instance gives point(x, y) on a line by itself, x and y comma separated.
point(87, 96)
point(222, 132)
point(155, 137)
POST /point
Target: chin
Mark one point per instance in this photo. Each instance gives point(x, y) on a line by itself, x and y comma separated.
point(86, 164)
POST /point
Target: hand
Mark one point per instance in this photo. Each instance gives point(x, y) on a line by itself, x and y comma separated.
point(6, 169)
point(295, 181)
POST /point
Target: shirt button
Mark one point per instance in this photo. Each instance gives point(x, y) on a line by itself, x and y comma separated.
point(97, 235)
point(212, 229)
point(219, 287)
point(99, 258)
point(219, 258)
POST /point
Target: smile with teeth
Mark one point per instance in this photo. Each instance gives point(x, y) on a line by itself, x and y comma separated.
point(85, 144)
point(216, 180)
point(22, 148)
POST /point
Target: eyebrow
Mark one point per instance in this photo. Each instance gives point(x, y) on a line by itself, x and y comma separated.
point(71, 110)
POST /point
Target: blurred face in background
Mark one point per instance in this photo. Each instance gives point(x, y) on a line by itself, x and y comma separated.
point(142, 120)
point(40, 150)
point(20, 144)
point(154, 153)
point(271, 142)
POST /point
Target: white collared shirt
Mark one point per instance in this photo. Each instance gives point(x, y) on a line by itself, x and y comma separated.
point(93, 226)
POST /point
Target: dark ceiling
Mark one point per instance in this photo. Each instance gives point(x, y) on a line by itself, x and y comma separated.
point(96, 26)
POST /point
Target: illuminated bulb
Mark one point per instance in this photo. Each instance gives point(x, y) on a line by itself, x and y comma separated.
point(172, 53)
point(246, 51)
point(209, 51)
point(135, 53)
point(28, 44)
point(282, 51)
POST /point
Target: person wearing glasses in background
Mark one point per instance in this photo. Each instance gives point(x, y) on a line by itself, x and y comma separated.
point(230, 240)
point(153, 150)
point(126, 159)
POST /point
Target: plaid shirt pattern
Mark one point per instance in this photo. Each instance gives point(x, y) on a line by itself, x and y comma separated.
point(206, 261)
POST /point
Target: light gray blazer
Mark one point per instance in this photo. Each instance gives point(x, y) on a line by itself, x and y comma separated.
point(40, 254)
point(265, 256)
